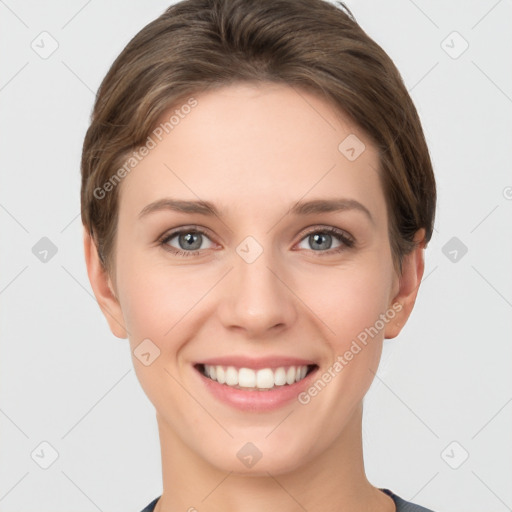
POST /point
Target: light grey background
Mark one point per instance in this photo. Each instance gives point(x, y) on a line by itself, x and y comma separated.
point(67, 381)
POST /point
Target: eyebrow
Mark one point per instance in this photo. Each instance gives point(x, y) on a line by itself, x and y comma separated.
point(301, 208)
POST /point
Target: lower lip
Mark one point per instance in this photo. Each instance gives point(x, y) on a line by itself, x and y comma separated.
point(254, 400)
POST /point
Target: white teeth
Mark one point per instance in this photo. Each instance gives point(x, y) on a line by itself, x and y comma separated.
point(231, 376)
point(265, 378)
point(280, 377)
point(221, 374)
point(246, 378)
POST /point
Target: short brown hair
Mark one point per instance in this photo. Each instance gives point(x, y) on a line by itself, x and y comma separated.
point(197, 45)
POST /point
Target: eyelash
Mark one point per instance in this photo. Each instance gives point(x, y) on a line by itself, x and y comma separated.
point(347, 242)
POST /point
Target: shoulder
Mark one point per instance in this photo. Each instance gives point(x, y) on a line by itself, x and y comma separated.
point(151, 506)
point(403, 505)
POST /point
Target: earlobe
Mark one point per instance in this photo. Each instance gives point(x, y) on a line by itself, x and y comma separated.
point(413, 266)
point(102, 287)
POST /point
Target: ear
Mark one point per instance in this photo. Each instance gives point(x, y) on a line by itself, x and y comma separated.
point(102, 287)
point(409, 281)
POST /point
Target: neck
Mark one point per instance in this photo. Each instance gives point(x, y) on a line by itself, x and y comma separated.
point(335, 480)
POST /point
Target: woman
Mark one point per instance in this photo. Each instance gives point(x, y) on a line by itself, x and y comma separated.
point(257, 195)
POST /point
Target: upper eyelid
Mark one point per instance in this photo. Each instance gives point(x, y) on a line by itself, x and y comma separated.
point(329, 229)
point(187, 229)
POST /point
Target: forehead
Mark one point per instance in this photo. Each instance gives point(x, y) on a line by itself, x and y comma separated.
point(255, 145)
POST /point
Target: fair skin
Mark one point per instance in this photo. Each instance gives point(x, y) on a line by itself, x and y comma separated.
point(254, 151)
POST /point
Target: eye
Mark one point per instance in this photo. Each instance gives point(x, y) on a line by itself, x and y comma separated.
point(189, 242)
point(321, 240)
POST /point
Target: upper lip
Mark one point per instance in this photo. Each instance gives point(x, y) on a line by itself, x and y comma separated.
point(257, 362)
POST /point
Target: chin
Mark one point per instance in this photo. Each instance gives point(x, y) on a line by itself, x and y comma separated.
point(262, 464)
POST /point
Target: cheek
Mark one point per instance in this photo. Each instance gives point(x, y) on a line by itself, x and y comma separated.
point(347, 300)
point(157, 305)
point(153, 302)
point(160, 303)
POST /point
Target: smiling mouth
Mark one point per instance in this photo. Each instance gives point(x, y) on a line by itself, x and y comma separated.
point(263, 379)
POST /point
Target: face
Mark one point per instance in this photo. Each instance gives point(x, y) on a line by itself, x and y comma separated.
point(292, 268)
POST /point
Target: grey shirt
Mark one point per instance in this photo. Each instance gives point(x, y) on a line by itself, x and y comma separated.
point(400, 503)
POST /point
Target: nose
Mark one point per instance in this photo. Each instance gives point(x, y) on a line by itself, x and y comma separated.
point(256, 298)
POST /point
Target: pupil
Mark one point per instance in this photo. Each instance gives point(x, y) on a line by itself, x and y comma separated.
point(190, 239)
point(317, 238)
